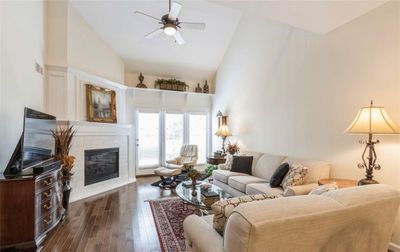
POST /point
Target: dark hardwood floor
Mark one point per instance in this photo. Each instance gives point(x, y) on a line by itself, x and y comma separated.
point(118, 220)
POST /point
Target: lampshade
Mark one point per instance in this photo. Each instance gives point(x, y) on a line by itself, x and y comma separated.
point(223, 131)
point(373, 120)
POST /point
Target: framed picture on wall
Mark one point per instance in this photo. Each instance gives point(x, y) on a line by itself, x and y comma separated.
point(100, 104)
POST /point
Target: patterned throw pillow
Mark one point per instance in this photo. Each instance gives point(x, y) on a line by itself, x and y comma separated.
point(295, 176)
point(222, 209)
point(323, 189)
point(228, 162)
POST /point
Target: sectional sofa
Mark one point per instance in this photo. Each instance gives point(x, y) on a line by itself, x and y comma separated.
point(263, 167)
point(352, 219)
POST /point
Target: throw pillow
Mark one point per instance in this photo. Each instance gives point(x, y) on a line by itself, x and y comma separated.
point(228, 162)
point(222, 209)
point(242, 164)
point(278, 175)
point(323, 189)
point(295, 176)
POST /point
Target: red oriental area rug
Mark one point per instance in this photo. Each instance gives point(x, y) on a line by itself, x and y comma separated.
point(169, 215)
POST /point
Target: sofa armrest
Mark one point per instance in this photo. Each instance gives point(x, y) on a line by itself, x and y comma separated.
point(190, 163)
point(299, 190)
point(173, 161)
point(221, 167)
point(201, 236)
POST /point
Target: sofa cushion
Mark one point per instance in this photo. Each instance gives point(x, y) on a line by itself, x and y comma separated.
point(316, 169)
point(242, 164)
point(240, 182)
point(295, 175)
point(228, 162)
point(267, 165)
point(256, 156)
point(257, 188)
point(223, 208)
point(223, 175)
point(279, 174)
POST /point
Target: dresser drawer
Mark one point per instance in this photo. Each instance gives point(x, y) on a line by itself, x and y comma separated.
point(48, 194)
point(48, 221)
point(44, 206)
point(48, 180)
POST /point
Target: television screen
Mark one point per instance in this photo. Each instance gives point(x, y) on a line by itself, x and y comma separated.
point(38, 141)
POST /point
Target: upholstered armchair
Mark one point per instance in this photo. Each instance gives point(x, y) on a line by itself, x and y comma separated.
point(188, 157)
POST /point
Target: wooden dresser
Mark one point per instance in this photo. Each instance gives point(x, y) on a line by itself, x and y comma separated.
point(30, 207)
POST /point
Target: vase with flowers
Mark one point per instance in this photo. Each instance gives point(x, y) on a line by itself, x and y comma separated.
point(233, 148)
point(63, 142)
point(194, 174)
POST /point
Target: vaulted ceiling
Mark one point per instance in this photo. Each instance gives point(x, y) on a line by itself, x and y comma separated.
point(124, 31)
point(199, 58)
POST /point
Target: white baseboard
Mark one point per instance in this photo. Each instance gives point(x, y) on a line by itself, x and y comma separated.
point(394, 247)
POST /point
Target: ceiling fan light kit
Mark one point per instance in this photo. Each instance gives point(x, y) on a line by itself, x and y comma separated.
point(171, 24)
point(169, 29)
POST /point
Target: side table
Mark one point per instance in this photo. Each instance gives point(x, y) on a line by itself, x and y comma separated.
point(215, 160)
point(341, 183)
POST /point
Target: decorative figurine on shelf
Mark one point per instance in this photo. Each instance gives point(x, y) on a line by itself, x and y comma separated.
point(141, 79)
point(206, 88)
point(198, 89)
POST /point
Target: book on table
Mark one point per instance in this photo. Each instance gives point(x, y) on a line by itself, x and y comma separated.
point(209, 194)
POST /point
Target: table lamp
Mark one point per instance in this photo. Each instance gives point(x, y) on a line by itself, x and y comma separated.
point(223, 131)
point(371, 120)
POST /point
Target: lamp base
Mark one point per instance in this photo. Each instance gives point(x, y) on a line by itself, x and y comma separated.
point(367, 182)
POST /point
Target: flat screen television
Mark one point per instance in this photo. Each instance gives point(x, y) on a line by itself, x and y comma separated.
point(36, 144)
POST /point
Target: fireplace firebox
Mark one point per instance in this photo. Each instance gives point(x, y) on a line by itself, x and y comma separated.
point(101, 165)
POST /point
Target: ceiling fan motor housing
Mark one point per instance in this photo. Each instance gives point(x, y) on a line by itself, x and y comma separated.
point(168, 22)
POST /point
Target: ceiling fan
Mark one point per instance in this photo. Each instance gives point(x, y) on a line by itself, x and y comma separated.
point(170, 23)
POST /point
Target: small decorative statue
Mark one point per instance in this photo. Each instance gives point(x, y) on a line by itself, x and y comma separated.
point(141, 79)
point(206, 88)
point(198, 89)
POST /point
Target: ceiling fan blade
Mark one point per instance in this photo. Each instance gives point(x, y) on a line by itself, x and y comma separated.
point(174, 12)
point(194, 26)
point(178, 38)
point(154, 33)
point(146, 15)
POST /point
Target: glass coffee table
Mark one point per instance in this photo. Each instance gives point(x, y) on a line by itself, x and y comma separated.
point(185, 193)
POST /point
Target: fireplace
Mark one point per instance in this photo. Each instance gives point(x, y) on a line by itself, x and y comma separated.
point(101, 165)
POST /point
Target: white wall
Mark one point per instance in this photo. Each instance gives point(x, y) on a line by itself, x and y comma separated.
point(292, 92)
point(131, 79)
point(70, 41)
point(87, 52)
point(22, 44)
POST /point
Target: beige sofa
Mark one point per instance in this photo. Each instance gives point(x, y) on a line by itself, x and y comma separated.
point(263, 167)
point(352, 219)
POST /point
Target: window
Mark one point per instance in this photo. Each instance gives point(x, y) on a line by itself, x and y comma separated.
point(148, 139)
point(174, 130)
point(198, 134)
point(160, 136)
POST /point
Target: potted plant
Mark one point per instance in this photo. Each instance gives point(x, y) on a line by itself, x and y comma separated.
point(232, 148)
point(63, 141)
point(194, 174)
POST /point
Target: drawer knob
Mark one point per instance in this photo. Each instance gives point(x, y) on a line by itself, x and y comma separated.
point(47, 221)
point(47, 182)
point(47, 194)
point(47, 207)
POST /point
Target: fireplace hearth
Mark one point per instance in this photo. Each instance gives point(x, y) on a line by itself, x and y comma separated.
point(101, 165)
